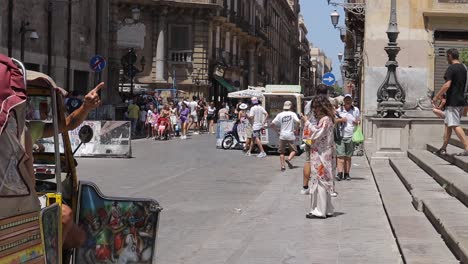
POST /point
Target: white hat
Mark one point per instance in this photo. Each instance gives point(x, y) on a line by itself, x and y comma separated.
point(287, 105)
point(348, 95)
point(243, 106)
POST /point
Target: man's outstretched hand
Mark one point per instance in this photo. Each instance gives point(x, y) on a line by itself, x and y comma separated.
point(92, 99)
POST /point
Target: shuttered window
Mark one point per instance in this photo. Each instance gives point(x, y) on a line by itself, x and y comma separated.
point(180, 37)
point(443, 42)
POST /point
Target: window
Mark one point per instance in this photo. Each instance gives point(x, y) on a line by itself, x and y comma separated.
point(80, 81)
point(180, 37)
point(32, 66)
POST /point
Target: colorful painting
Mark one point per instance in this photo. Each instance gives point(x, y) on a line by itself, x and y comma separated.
point(118, 230)
point(50, 219)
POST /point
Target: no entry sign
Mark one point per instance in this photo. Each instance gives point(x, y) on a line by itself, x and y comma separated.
point(97, 63)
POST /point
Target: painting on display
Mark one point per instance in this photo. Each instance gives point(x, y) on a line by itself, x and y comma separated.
point(118, 230)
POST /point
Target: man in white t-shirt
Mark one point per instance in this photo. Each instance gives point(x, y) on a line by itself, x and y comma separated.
point(286, 121)
point(349, 117)
point(258, 116)
point(193, 114)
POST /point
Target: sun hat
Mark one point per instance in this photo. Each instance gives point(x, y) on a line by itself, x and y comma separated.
point(243, 106)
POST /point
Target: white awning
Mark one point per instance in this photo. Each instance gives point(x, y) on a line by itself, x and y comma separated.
point(249, 93)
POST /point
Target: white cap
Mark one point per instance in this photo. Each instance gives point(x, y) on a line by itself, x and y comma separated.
point(287, 105)
point(348, 95)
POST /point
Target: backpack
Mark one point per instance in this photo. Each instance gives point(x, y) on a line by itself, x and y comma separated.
point(17, 194)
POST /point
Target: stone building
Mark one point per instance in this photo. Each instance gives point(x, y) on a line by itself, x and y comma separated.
point(427, 29)
point(66, 36)
point(305, 63)
point(205, 47)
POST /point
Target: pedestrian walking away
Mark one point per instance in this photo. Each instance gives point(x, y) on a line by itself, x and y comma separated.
point(322, 158)
point(244, 119)
point(287, 122)
point(456, 84)
point(210, 117)
point(258, 115)
point(349, 117)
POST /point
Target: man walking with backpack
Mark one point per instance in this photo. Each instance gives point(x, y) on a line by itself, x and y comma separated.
point(455, 89)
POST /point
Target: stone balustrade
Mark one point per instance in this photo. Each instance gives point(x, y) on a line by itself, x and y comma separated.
point(180, 56)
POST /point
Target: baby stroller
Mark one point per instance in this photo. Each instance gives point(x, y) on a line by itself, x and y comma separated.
point(163, 129)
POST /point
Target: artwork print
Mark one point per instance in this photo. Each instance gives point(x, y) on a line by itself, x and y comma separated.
point(50, 225)
point(118, 231)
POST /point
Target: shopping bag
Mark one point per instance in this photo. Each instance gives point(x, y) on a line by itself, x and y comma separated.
point(358, 136)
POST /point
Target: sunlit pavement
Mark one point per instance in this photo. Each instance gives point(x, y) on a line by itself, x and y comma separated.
point(223, 207)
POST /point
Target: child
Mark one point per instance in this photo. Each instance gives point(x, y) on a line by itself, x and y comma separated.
point(162, 125)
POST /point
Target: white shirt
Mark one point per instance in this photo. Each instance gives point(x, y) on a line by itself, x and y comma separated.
point(193, 107)
point(258, 113)
point(286, 121)
point(351, 116)
point(143, 114)
point(211, 110)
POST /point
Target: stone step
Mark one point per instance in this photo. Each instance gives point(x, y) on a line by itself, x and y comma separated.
point(461, 162)
point(456, 142)
point(417, 239)
point(447, 214)
point(449, 176)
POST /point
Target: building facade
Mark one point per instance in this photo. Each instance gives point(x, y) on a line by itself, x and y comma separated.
point(427, 29)
point(205, 47)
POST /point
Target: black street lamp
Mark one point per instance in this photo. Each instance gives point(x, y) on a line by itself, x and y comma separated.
point(197, 81)
point(391, 96)
point(23, 30)
point(128, 62)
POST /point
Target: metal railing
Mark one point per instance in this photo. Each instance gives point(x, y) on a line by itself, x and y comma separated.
point(180, 56)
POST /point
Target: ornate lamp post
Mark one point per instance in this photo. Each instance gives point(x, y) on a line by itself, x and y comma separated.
point(391, 96)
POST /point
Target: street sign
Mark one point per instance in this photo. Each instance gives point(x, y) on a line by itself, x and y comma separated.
point(97, 63)
point(329, 79)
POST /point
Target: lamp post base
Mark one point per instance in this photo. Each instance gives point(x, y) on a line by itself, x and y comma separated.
point(390, 109)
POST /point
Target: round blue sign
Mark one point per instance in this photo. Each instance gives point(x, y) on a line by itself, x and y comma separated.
point(329, 79)
point(97, 63)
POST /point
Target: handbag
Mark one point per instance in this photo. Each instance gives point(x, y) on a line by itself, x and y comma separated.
point(358, 136)
point(338, 130)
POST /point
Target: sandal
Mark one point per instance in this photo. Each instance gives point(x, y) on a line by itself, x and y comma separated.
point(462, 154)
point(441, 151)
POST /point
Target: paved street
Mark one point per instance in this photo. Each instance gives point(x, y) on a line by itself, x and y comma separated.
point(223, 207)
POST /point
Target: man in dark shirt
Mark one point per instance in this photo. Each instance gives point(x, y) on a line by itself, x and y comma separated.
point(454, 88)
point(73, 102)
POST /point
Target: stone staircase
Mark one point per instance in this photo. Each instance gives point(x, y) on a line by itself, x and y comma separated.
point(437, 186)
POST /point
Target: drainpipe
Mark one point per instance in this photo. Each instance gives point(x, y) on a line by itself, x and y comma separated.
point(10, 28)
point(49, 37)
point(69, 45)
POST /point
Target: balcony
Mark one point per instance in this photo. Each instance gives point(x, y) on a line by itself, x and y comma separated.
point(180, 56)
point(216, 3)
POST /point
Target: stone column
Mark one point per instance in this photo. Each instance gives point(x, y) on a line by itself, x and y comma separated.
point(161, 47)
point(234, 47)
point(210, 40)
point(252, 66)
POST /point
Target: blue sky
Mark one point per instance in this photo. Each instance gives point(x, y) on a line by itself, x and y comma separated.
point(321, 32)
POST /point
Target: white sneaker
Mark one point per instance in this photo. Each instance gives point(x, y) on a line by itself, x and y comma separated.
point(262, 155)
point(334, 194)
point(305, 191)
point(248, 154)
point(196, 133)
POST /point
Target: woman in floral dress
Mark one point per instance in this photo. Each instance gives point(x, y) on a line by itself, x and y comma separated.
point(322, 158)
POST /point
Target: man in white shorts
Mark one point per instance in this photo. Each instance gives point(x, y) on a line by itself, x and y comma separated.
point(456, 78)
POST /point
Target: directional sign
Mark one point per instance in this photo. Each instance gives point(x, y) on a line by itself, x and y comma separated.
point(97, 63)
point(329, 79)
